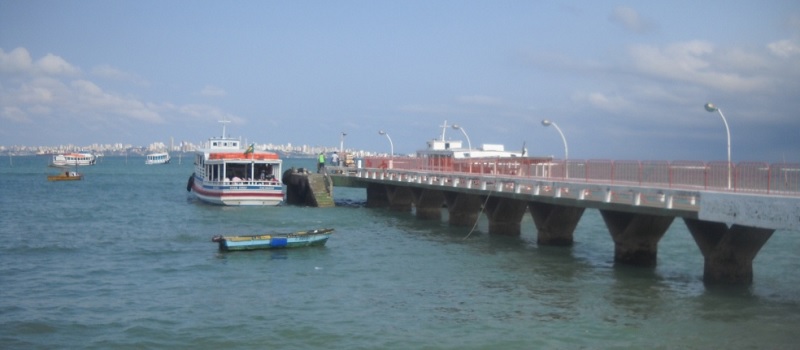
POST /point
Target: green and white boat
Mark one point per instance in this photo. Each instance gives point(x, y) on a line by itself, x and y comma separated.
point(308, 238)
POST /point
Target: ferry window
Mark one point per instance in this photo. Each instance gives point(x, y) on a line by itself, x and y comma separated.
point(214, 144)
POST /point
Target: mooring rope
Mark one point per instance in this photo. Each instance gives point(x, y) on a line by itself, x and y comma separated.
point(478, 217)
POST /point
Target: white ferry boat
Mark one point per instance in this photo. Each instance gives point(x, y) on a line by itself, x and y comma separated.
point(73, 159)
point(447, 155)
point(454, 149)
point(157, 158)
point(227, 174)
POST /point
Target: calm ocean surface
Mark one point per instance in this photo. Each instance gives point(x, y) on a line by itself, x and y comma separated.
point(124, 259)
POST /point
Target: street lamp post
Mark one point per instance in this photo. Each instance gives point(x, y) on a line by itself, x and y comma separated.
point(547, 122)
point(341, 142)
point(391, 147)
point(712, 108)
point(469, 144)
point(458, 127)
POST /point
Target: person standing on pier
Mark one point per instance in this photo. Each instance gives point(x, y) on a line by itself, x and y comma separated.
point(320, 162)
point(335, 159)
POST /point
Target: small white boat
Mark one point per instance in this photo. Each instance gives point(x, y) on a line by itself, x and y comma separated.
point(227, 174)
point(73, 159)
point(157, 158)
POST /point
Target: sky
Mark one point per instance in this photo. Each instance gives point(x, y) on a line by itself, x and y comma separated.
point(621, 80)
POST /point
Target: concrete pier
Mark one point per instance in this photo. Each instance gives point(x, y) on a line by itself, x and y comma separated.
point(728, 252)
point(463, 209)
point(636, 236)
point(377, 196)
point(505, 215)
point(729, 227)
point(305, 188)
point(555, 224)
point(428, 203)
point(400, 198)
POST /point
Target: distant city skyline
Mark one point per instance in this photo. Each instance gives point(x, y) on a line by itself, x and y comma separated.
point(622, 81)
point(182, 147)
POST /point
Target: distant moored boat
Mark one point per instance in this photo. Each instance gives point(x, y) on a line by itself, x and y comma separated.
point(73, 159)
point(157, 158)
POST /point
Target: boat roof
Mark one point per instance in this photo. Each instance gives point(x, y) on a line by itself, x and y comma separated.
point(242, 155)
point(455, 149)
point(228, 148)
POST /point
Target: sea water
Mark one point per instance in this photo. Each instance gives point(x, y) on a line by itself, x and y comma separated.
point(124, 259)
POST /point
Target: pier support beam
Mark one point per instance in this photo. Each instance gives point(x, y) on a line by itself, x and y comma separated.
point(555, 224)
point(505, 215)
point(377, 197)
point(728, 251)
point(428, 203)
point(400, 198)
point(636, 236)
point(463, 209)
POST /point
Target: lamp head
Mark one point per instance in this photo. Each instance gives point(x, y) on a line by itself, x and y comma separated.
point(456, 126)
point(711, 107)
point(546, 122)
point(381, 132)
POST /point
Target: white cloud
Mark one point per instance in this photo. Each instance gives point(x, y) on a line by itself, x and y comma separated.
point(15, 114)
point(111, 73)
point(691, 62)
point(54, 65)
point(480, 100)
point(19, 61)
point(602, 101)
point(16, 61)
point(212, 91)
point(54, 88)
point(631, 20)
point(206, 112)
point(784, 48)
point(93, 98)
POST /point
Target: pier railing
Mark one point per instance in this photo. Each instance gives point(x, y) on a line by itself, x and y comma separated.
point(745, 177)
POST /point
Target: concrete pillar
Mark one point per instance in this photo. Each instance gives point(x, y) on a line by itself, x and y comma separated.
point(377, 196)
point(428, 203)
point(463, 209)
point(728, 251)
point(555, 224)
point(505, 215)
point(400, 198)
point(636, 236)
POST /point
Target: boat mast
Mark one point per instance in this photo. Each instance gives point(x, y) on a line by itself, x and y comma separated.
point(224, 121)
point(444, 128)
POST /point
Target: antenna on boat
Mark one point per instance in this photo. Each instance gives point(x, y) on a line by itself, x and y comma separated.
point(224, 121)
point(444, 128)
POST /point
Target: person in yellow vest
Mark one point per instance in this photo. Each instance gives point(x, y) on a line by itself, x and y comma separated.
point(320, 162)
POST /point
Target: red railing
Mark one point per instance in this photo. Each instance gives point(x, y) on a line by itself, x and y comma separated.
point(748, 177)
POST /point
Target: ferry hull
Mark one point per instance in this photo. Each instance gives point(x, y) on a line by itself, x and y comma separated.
point(239, 195)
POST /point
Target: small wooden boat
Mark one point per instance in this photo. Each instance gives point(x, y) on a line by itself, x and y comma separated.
point(66, 176)
point(274, 240)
